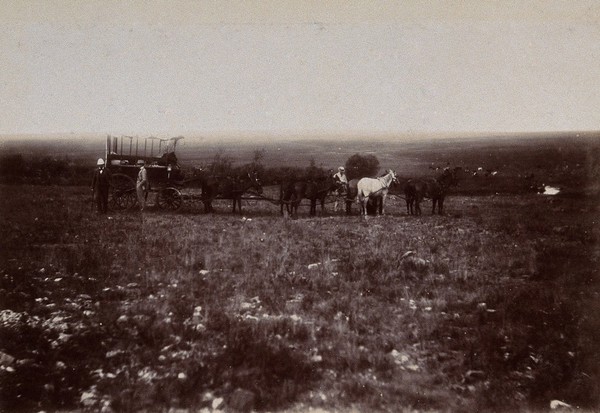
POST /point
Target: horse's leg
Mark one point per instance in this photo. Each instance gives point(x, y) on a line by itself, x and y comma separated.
point(441, 205)
point(359, 202)
point(363, 205)
point(294, 204)
point(282, 201)
point(381, 205)
point(433, 201)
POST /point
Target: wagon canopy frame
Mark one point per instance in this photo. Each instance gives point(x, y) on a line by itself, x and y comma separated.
point(123, 154)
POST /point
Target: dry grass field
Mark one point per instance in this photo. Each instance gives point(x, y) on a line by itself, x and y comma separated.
point(491, 307)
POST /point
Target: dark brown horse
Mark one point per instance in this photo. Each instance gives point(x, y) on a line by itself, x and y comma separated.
point(293, 194)
point(435, 189)
point(230, 187)
point(317, 190)
point(294, 191)
point(351, 194)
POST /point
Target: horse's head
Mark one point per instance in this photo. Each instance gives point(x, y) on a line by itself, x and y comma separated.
point(255, 181)
point(450, 177)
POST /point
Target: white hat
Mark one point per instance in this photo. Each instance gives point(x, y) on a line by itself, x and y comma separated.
point(100, 162)
point(141, 162)
point(341, 169)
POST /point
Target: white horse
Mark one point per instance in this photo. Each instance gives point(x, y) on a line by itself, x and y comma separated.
point(374, 187)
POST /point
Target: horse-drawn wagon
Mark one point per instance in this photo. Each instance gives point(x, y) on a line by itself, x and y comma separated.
point(124, 155)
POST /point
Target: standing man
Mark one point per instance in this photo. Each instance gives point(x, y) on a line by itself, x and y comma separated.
point(100, 185)
point(142, 185)
point(340, 177)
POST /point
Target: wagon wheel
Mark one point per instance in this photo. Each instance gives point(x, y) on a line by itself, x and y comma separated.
point(122, 182)
point(123, 199)
point(169, 198)
point(122, 188)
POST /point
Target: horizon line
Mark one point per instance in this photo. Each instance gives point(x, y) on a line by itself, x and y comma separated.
point(304, 135)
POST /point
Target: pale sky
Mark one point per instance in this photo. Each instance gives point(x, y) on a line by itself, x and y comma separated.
point(298, 67)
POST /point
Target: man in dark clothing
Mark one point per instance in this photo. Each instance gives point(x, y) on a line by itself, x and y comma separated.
point(100, 184)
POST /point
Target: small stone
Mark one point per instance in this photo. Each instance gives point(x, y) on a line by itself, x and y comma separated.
point(178, 410)
point(88, 398)
point(407, 254)
point(217, 403)
point(242, 400)
point(473, 376)
point(6, 359)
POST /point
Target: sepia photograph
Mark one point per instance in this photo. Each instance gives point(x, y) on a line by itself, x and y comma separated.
point(283, 206)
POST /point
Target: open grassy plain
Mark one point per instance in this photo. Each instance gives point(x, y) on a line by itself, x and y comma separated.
point(493, 306)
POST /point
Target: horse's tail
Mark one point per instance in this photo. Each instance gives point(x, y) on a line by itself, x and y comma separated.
point(360, 195)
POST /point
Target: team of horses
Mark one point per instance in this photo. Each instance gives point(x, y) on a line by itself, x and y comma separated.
point(228, 187)
point(369, 193)
point(292, 192)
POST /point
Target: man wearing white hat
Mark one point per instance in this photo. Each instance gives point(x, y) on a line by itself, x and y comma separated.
point(100, 185)
point(341, 177)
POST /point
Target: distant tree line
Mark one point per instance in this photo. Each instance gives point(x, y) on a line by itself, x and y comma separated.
point(46, 170)
point(16, 169)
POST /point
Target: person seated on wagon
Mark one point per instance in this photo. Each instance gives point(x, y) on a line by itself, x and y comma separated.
point(341, 177)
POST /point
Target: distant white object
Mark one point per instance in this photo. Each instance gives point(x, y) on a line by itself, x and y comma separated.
point(550, 190)
point(557, 404)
